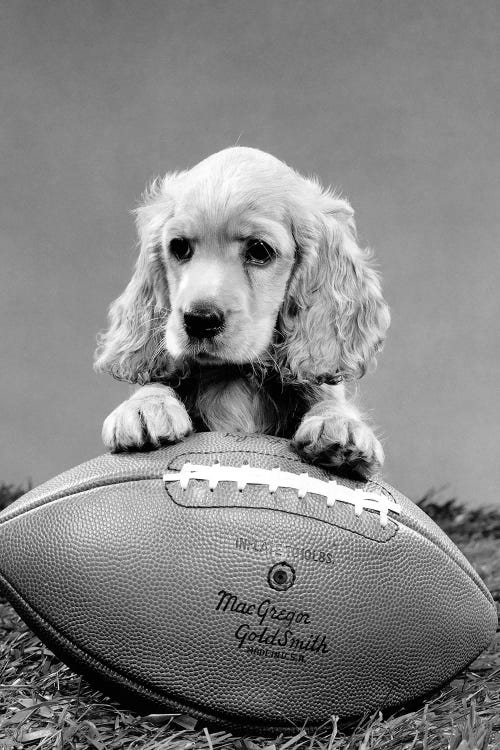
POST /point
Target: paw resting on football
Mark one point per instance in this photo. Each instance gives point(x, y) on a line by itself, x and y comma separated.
point(253, 305)
point(338, 441)
point(151, 417)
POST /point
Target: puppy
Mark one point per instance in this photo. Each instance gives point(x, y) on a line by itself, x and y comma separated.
point(250, 305)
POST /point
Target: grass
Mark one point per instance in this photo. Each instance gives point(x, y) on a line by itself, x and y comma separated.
point(46, 706)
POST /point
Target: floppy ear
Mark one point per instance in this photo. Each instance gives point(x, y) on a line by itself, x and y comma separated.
point(132, 348)
point(334, 319)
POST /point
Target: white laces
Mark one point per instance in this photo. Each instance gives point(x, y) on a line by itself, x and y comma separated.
point(275, 478)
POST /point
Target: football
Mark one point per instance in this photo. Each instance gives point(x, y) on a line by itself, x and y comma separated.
point(225, 578)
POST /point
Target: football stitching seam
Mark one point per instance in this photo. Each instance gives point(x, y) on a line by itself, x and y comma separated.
point(275, 479)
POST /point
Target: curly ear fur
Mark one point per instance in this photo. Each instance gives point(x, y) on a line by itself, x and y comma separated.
point(132, 348)
point(334, 318)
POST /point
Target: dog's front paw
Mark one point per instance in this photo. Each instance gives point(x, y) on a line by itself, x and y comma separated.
point(146, 420)
point(342, 443)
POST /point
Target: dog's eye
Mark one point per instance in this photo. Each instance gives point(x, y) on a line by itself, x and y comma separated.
point(259, 253)
point(180, 248)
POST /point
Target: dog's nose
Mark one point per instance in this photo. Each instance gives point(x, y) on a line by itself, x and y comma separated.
point(203, 321)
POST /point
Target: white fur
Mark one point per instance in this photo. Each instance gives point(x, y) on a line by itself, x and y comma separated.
point(314, 314)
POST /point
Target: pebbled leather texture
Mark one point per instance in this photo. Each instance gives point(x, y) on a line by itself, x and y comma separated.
point(166, 597)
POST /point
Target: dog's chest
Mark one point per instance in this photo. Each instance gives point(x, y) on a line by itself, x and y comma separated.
point(238, 403)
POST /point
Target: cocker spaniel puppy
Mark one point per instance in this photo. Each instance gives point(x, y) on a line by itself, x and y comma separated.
point(250, 304)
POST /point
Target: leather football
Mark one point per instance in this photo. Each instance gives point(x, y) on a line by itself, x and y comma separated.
point(225, 578)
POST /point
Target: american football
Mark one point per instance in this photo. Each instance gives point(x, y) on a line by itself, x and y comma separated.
point(225, 578)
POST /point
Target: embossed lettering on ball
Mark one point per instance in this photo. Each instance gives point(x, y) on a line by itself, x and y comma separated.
point(225, 578)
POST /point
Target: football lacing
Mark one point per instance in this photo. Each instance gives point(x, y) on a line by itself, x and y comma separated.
point(274, 478)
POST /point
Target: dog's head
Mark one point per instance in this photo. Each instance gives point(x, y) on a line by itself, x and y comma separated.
point(243, 260)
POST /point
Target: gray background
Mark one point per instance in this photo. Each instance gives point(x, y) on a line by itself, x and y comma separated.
point(395, 102)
